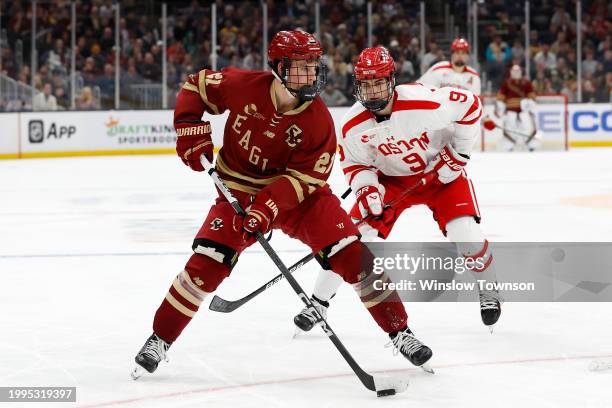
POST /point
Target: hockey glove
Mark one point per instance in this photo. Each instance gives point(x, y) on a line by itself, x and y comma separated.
point(488, 124)
point(448, 164)
point(260, 214)
point(194, 139)
point(370, 201)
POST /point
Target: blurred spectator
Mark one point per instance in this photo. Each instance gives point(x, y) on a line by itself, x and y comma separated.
point(45, 101)
point(429, 58)
point(589, 64)
point(107, 86)
point(62, 99)
point(332, 96)
point(149, 69)
point(547, 57)
point(86, 100)
point(518, 51)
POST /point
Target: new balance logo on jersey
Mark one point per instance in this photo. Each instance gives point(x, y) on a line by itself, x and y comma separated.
point(216, 224)
point(341, 225)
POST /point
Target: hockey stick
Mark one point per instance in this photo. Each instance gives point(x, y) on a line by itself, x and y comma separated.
point(218, 304)
point(382, 385)
point(516, 132)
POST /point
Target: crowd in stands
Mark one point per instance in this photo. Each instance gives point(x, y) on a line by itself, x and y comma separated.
point(343, 33)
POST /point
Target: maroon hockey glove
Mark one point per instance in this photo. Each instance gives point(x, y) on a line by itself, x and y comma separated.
point(192, 140)
point(260, 214)
point(370, 201)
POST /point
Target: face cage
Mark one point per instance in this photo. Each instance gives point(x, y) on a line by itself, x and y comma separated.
point(305, 92)
point(374, 105)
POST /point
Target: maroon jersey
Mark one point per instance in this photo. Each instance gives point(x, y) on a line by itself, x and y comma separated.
point(290, 153)
point(513, 91)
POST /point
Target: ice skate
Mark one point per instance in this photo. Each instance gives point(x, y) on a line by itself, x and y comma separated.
point(409, 346)
point(150, 355)
point(306, 319)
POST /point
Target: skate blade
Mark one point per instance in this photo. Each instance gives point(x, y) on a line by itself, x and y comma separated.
point(427, 368)
point(297, 332)
point(137, 372)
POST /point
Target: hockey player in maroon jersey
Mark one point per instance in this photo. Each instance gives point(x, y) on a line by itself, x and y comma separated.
point(393, 137)
point(515, 109)
point(278, 150)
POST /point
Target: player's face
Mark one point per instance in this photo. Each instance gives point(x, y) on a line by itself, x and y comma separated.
point(301, 73)
point(375, 89)
point(460, 58)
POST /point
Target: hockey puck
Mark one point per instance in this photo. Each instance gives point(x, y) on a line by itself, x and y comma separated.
point(385, 393)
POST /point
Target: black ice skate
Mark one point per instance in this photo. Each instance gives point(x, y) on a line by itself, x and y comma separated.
point(150, 355)
point(416, 352)
point(490, 307)
point(306, 319)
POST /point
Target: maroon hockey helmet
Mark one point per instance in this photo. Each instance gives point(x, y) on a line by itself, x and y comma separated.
point(374, 63)
point(288, 46)
point(460, 44)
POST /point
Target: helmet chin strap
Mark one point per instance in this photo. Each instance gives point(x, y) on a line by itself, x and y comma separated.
point(289, 93)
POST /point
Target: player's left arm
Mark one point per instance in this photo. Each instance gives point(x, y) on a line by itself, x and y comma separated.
point(462, 109)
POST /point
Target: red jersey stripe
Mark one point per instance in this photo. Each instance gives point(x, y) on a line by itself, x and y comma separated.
point(443, 67)
point(355, 167)
point(362, 117)
point(470, 122)
point(415, 105)
point(472, 109)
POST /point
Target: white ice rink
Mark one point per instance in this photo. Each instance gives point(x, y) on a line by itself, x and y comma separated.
point(89, 247)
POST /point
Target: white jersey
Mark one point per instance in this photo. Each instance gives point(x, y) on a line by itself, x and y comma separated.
point(442, 74)
point(422, 122)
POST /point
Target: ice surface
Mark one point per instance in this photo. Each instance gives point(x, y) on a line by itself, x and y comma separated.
point(89, 246)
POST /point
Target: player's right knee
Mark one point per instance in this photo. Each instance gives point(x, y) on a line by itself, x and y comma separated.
point(210, 264)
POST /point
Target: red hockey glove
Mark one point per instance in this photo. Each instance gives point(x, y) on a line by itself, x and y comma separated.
point(260, 214)
point(370, 201)
point(448, 164)
point(194, 139)
point(488, 124)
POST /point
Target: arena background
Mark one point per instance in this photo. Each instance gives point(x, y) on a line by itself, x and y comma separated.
point(127, 60)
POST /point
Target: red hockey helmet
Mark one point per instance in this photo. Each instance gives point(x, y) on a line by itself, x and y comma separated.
point(374, 63)
point(287, 46)
point(460, 44)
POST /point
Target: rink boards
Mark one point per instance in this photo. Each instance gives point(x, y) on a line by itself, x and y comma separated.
point(57, 134)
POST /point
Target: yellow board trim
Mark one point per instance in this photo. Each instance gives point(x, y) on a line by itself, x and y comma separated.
point(9, 156)
point(591, 143)
point(96, 153)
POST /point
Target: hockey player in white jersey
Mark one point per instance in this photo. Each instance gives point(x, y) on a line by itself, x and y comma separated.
point(454, 73)
point(394, 137)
